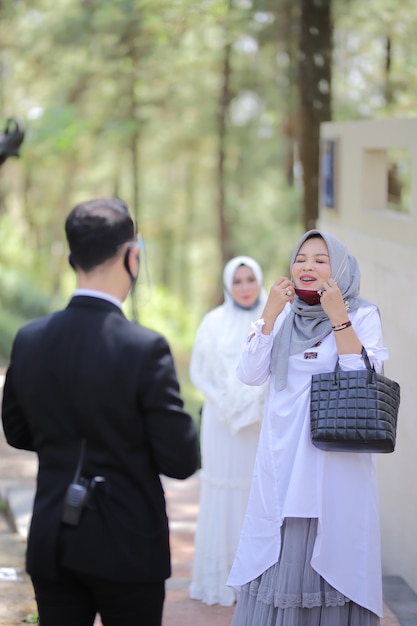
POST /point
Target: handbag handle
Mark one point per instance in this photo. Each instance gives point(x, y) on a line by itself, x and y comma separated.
point(365, 358)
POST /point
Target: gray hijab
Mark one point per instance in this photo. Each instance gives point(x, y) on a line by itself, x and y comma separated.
point(306, 325)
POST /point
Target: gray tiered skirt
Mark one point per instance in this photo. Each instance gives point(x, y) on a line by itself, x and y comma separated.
point(291, 593)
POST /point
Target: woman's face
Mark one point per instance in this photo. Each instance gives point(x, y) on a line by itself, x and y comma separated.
point(311, 267)
point(245, 288)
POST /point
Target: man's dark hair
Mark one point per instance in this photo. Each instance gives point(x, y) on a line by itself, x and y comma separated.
point(96, 229)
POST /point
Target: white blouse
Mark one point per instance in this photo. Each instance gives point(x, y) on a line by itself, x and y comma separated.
point(292, 478)
point(217, 348)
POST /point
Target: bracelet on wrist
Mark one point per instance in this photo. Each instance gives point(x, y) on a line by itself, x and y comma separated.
point(342, 326)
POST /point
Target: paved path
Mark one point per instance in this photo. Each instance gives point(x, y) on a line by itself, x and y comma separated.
point(182, 499)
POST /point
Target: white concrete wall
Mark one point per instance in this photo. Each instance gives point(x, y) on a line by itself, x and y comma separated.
point(385, 244)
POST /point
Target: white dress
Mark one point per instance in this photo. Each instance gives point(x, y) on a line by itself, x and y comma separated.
point(292, 478)
point(229, 437)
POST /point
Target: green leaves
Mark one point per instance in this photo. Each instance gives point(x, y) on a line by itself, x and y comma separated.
point(123, 97)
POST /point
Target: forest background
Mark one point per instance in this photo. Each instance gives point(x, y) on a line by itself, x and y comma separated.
point(203, 115)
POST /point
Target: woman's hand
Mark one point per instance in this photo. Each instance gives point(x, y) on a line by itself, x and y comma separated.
point(281, 292)
point(332, 302)
point(347, 341)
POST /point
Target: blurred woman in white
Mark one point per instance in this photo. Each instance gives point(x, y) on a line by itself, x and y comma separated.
point(230, 428)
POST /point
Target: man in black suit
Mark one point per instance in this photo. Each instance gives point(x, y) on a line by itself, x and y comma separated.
point(97, 398)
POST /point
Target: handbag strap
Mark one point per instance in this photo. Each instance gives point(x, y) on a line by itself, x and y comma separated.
point(365, 358)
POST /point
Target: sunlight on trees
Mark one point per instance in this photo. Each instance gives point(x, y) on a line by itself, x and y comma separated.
point(191, 112)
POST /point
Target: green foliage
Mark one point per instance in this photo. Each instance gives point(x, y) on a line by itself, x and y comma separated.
point(365, 47)
point(9, 325)
point(163, 311)
point(20, 301)
point(21, 297)
point(123, 98)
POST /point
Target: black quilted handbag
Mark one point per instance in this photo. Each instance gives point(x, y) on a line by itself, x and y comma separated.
point(354, 411)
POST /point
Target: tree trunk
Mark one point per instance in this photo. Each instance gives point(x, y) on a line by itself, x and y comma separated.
point(133, 53)
point(287, 17)
point(315, 58)
point(224, 223)
point(389, 94)
point(134, 151)
point(190, 176)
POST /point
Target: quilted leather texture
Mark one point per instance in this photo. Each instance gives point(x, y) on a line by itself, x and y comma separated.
point(354, 411)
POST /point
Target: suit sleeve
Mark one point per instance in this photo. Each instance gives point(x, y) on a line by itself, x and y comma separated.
point(171, 430)
point(15, 425)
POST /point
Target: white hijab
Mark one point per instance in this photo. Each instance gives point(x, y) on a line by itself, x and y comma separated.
point(228, 275)
point(219, 343)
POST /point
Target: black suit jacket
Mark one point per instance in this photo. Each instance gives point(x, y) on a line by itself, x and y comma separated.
point(87, 372)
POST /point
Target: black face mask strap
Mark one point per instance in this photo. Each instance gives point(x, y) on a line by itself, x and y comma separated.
point(133, 280)
point(127, 267)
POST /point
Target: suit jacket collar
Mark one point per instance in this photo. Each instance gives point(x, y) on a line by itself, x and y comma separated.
point(93, 302)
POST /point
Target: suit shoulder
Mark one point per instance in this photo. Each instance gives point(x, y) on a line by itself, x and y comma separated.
point(146, 335)
point(36, 325)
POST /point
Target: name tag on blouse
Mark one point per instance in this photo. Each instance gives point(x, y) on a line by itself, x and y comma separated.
point(311, 354)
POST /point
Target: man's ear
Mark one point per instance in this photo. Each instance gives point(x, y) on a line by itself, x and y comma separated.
point(71, 262)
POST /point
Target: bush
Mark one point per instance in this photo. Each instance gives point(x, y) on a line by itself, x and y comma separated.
point(20, 301)
point(9, 325)
point(20, 296)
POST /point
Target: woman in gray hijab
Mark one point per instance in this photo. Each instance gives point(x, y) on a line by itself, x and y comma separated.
point(309, 551)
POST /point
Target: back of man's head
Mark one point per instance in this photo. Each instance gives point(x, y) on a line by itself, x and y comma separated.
point(95, 231)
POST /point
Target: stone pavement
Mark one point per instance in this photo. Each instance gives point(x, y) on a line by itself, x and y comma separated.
point(17, 482)
point(17, 472)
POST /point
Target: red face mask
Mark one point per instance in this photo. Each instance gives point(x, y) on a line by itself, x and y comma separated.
point(309, 297)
